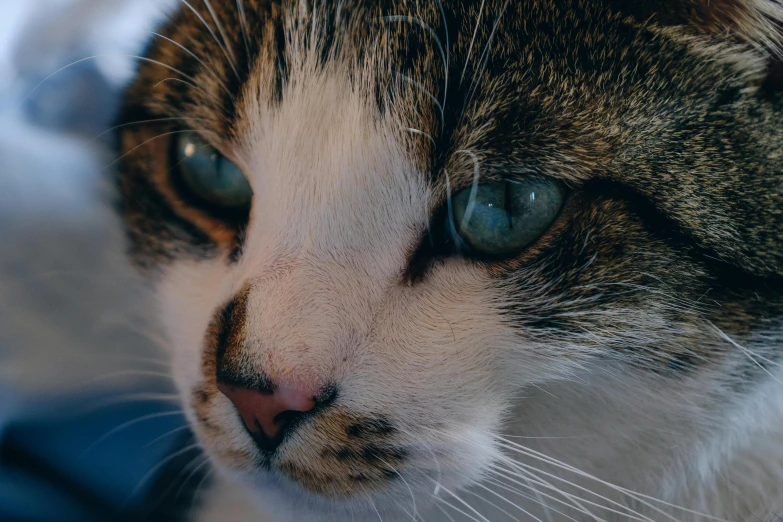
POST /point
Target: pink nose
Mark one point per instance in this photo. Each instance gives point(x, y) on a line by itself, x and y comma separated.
point(267, 414)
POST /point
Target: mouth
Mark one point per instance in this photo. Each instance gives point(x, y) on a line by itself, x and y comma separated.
point(329, 450)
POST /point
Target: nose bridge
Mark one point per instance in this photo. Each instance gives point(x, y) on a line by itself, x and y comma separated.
point(321, 296)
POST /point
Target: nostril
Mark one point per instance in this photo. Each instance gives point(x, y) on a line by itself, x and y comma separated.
point(287, 417)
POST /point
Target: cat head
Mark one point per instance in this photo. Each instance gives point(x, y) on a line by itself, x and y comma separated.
point(373, 226)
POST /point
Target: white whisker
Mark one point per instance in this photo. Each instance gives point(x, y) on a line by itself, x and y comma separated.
point(142, 122)
point(210, 69)
point(214, 36)
point(127, 425)
point(243, 25)
point(472, 41)
point(167, 434)
point(461, 501)
point(229, 48)
point(157, 466)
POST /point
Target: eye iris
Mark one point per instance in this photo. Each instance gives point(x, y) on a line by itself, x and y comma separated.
point(210, 175)
point(503, 218)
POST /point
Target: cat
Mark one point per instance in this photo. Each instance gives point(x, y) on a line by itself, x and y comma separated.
point(468, 260)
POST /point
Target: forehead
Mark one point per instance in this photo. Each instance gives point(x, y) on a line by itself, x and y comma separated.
point(522, 85)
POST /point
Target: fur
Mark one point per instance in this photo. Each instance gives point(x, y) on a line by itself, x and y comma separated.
point(634, 347)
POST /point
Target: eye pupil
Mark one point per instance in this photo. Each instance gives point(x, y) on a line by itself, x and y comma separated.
point(500, 219)
point(211, 176)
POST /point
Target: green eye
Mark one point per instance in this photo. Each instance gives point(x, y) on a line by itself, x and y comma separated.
point(210, 175)
point(503, 218)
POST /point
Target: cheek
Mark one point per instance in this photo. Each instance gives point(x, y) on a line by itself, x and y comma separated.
point(188, 294)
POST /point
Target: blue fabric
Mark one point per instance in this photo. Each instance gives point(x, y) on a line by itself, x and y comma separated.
point(100, 461)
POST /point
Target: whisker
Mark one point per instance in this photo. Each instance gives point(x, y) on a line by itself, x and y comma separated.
point(537, 499)
point(417, 131)
point(121, 373)
point(750, 354)
point(141, 122)
point(474, 187)
point(639, 497)
point(130, 397)
point(518, 465)
point(572, 498)
point(243, 25)
point(219, 26)
point(167, 434)
point(455, 508)
point(498, 507)
point(442, 510)
point(472, 41)
point(423, 89)
point(210, 69)
point(410, 490)
point(425, 27)
point(157, 466)
point(209, 28)
point(483, 60)
point(128, 424)
point(448, 51)
point(204, 461)
point(481, 518)
point(369, 499)
point(197, 491)
point(429, 448)
point(145, 142)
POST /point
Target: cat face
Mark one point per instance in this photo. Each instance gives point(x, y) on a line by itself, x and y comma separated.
point(375, 225)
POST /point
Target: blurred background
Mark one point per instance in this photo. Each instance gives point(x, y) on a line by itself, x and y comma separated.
point(89, 425)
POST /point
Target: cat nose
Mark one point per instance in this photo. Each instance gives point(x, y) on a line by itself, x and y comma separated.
point(267, 414)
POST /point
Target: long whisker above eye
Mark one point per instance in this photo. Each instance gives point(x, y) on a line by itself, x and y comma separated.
point(243, 25)
point(145, 142)
point(210, 69)
point(472, 41)
point(191, 81)
point(483, 60)
point(422, 133)
point(154, 120)
point(423, 89)
point(214, 36)
point(219, 26)
point(474, 187)
point(448, 54)
point(428, 29)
